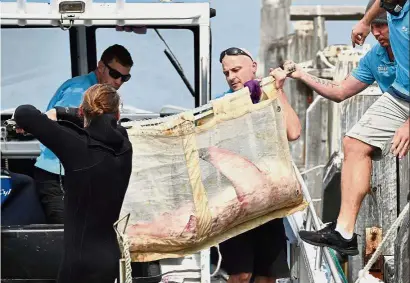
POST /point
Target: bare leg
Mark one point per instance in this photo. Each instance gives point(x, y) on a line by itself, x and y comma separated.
point(356, 173)
point(262, 279)
point(240, 278)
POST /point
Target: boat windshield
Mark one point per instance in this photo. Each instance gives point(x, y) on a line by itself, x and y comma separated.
point(36, 61)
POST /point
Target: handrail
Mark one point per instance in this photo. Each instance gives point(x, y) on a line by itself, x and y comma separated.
point(58, 17)
point(316, 224)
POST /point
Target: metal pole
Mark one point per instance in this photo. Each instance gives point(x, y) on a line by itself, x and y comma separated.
point(205, 67)
point(316, 223)
point(318, 260)
point(205, 266)
point(309, 221)
point(122, 271)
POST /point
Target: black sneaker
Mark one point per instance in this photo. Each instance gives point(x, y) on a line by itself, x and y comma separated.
point(328, 237)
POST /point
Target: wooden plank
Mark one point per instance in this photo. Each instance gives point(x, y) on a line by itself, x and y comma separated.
point(388, 272)
point(402, 253)
point(344, 65)
point(404, 180)
point(385, 178)
point(300, 46)
point(275, 47)
point(318, 152)
point(330, 13)
point(402, 245)
point(275, 24)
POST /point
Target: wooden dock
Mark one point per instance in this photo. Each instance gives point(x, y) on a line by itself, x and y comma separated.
point(324, 124)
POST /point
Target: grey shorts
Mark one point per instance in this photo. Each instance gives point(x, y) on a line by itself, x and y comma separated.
point(380, 122)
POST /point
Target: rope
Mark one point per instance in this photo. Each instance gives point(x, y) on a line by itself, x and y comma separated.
point(324, 60)
point(364, 272)
point(125, 250)
point(128, 268)
point(311, 169)
point(338, 266)
point(218, 266)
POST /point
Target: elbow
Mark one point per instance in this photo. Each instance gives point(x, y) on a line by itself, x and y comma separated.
point(294, 132)
point(293, 136)
point(341, 96)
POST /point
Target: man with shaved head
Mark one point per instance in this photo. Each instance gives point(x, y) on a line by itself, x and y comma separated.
point(260, 252)
point(238, 69)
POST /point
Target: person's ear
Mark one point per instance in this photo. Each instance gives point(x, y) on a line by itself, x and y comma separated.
point(100, 66)
point(117, 116)
point(254, 67)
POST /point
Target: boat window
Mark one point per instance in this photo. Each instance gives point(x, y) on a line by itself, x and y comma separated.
point(155, 83)
point(34, 63)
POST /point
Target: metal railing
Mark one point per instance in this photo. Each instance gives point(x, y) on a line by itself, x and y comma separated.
point(312, 222)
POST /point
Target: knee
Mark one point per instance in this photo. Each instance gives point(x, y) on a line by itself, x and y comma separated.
point(240, 278)
point(356, 148)
point(21, 180)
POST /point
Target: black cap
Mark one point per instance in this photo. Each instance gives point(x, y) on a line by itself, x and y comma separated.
point(381, 18)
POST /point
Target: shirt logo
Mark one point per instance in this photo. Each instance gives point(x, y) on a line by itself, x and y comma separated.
point(382, 69)
point(5, 192)
point(405, 29)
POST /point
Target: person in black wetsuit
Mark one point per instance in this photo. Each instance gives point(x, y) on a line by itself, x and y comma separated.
point(98, 161)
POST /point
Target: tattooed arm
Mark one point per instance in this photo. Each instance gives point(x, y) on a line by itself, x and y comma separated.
point(337, 92)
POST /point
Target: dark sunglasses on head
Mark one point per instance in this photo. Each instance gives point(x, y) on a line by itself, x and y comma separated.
point(115, 74)
point(233, 51)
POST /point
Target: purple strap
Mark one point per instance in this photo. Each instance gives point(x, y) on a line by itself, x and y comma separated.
point(255, 90)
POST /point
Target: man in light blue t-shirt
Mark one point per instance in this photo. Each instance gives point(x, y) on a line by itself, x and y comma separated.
point(113, 68)
point(382, 129)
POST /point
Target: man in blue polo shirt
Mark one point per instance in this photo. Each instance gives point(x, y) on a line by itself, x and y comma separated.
point(377, 65)
point(113, 68)
point(383, 128)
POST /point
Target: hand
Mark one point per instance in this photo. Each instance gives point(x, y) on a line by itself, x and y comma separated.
point(52, 114)
point(359, 33)
point(292, 69)
point(400, 144)
point(279, 75)
point(20, 131)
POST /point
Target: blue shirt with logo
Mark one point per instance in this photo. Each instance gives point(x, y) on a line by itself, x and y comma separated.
point(70, 94)
point(399, 38)
point(376, 66)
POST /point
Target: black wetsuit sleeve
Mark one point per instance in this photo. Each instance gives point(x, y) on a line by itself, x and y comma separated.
point(62, 141)
point(70, 114)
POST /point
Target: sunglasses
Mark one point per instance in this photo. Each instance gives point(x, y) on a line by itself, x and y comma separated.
point(233, 51)
point(391, 6)
point(115, 74)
